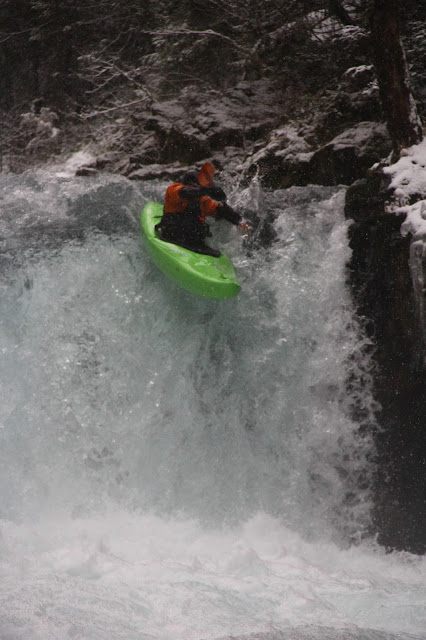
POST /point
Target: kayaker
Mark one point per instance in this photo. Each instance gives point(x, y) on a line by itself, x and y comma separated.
point(186, 206)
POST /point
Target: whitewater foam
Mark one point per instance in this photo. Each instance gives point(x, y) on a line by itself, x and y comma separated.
point(124, 575)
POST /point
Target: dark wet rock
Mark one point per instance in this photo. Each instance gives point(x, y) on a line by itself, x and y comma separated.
point(365, 199)
point(86, 171)
point(192, 128)
point(170, 172)
point(379, 273)
point(347, 157)
point(288, 161)
point(173, 142)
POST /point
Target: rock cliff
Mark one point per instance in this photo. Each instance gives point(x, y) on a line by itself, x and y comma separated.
point(387, 269)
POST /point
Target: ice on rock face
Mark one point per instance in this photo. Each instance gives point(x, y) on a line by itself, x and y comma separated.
point(408, 179)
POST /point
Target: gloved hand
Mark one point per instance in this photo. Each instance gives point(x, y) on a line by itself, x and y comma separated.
point(217, 193)
point(244, 227)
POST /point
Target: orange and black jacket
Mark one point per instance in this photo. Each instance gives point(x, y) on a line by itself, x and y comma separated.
point(181, 199)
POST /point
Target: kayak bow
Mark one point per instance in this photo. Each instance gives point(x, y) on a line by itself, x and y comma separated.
point(202, 275)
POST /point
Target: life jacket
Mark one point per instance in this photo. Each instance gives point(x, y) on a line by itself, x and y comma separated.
point(199, 207)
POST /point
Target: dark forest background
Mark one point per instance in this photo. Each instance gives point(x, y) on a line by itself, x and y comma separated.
point(150, 82)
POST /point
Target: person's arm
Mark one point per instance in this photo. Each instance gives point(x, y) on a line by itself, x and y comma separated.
point(216, 193)
point(220, 210)
point(189, 193)
point(225, 211)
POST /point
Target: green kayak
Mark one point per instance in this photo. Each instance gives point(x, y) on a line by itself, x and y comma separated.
point(202, 275)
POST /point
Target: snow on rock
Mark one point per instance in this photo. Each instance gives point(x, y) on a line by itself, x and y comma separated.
point(415, 222)
point(408, 174)
point(408, 179)
point(363, 136)
point(287, 159)
point(360, 78)
point(284, 143)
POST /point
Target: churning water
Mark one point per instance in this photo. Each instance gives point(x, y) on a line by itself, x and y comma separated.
point(177, 468)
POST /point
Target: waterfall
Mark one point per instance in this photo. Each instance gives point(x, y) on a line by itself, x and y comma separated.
point(164, 455)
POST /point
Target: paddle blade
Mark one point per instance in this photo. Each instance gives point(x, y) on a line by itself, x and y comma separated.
point(206, 175)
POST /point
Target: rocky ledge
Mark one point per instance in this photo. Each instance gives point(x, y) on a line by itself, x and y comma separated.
point(247, 131)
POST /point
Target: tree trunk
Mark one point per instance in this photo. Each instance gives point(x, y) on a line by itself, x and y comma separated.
point(403, 121)
point(337, 9)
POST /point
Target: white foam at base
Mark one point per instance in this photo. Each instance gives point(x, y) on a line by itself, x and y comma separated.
point(124, 575)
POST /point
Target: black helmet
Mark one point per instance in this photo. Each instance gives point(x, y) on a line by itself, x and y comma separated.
point(190, 178)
